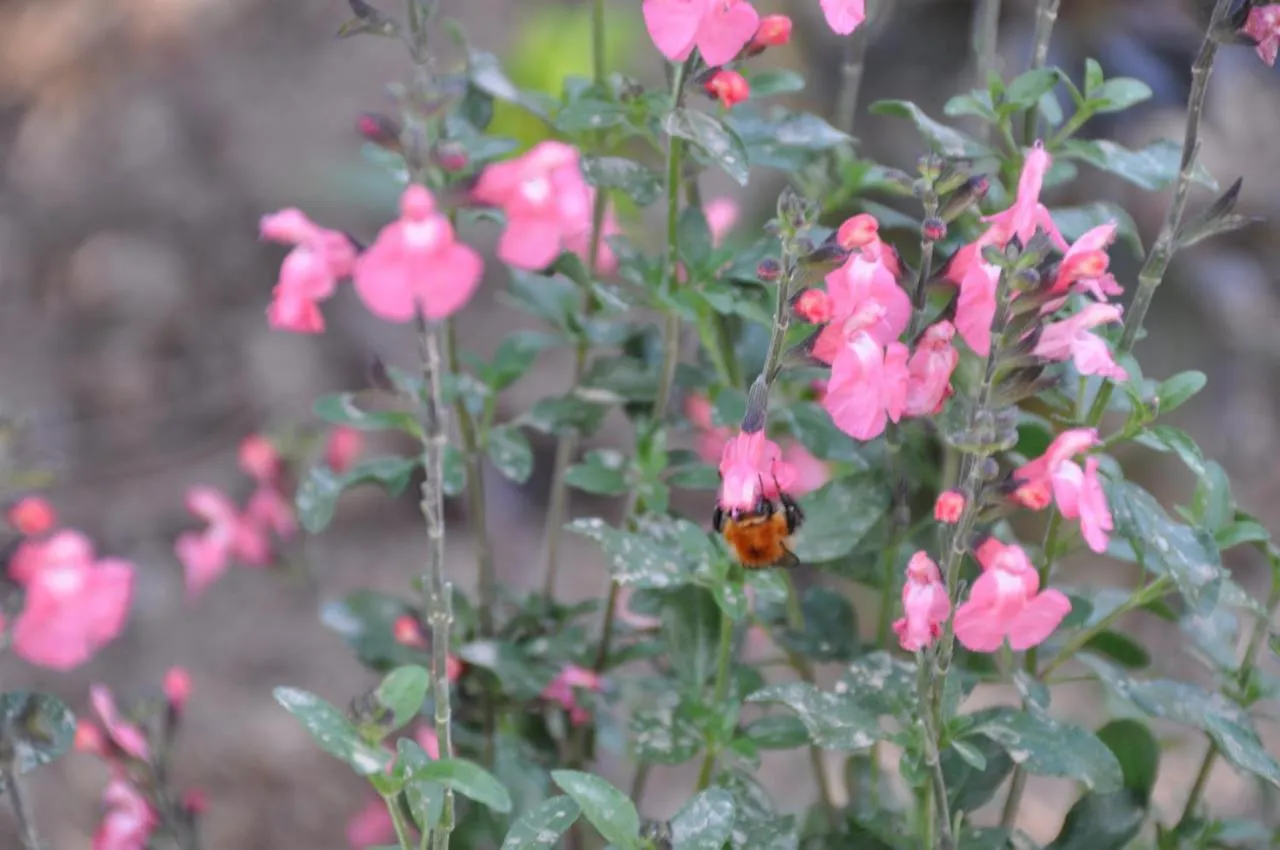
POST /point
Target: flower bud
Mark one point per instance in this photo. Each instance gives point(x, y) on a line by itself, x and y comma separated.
point(930, 167)
point(971, 192)
point(89, 739)
point(990, 469)
point(729, 87)
point(451, 156)
point(812, 305)
point(954, 174)
point(31, 516)
point(774, 31)
point(858, 231)
point(934, 229)
point(1025, 280)
point(177, 688)
point(381, 130)
point(407, 632)
point(769, 270)
point(949, 507)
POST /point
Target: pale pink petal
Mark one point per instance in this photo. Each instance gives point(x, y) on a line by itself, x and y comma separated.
point(976, 307)
point(531, 244)
point(727, 28)
point(844, 16)
point(673, 25)
point(1038, 619)
point(976, 629)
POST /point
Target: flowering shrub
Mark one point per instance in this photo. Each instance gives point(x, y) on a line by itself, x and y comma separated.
point(901, 402)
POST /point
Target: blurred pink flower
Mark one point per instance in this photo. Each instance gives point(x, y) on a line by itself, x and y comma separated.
point(1077, 491)
point(1027, 214)
point(128, 819)
point(868, 386)
point(259, 458)
point(718, 28)
point(206, 554)
point(1004, 603)
point(929, 370)
point(722, 215)
point(32, 516)
point(371, 826)
point(428, 740)
point(416, 265)
point(1263, 26)
point(844, 16)
point(748, 462)
point(269, 510)
point(561, 690)
point(865, 298)
point(128, 737)
point(976, 307)
point(343, 448)
point(810, 471)
point(310, 272)
point(1070, 339)
point(75, 603)
point(177, 687)
point(1084, 267)
point(925, 604)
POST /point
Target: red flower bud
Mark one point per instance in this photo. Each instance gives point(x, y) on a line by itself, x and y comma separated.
point(774, 31)
point(812, 305)
point(858, 231)
point(769, 270)
point(935, 229)
point(729, 87)
point(452, 156)
point(380, 129)
point(32, 516)
point(949, 506)
point(407, 632)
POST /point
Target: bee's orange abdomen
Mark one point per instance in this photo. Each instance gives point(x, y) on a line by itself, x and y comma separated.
point(757, 541)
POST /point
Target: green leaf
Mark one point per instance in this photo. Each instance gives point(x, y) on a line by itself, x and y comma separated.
point(812, 425)
point(775, 81)
point(1226, 723)
point(946, 141)
point(1137, 751)
point(836, 721)
point(976, 103)
point(515, 355)
point(1241, 531)
point(366, 621)
point(777, 732)
point(318, 494)
point(838, 516)
point(1026, 89)
point(540, 828)
point(1166, 438)
point(665, 732)
point(332, 731)
point(1120, 648)
point(607, 809)
point(643, 560)
point(1101, 822)
point(425, 798)
point(602, 472)
point(565, 415)
point(830, 630)
point(691, 630)
point(705, 822)
point(1074, 222)
point(510, 453)
point(455, 471)
point(720, 143)
point(1047, 747)
point(1212, 503)
point(590, 113)
point(402, 692)
point(757, 825)
point(1153, 168)
point(468, 779)
point(697, 476)
point(1176, 391)
point(637, 182)
point(883, 684)
point(522, 676)
point(968, 787)
point(341, 409)
point(1187, 555)
point(1118, 94)
point(553, 299)
point(778, 138)
point(37, 728)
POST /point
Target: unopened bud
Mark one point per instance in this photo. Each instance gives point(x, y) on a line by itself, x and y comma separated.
point(934, 229)
point(451, 156)
point(774, 31)
point(728, 87)
point(769, 270)
point(930, 167)
point(1026, 280)
point(990, 469)
point(970, 192)
point(407, 632)
point(177, 688)
point(949, 507)
point(31, 516)
point(858, 231)
point(381, 130)
point(813, 306)
point(953, 176)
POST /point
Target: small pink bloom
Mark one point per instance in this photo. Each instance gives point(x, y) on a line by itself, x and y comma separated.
point(428, 740)
point(865, 296)
point(310, 272)
point(561, 690)
point(269, 511)
point(32, 556)
point(89, 739)
point(1084, 267)
point(416, 265)
point(75, 604)
point(128, 737)
point(925, 604)
point(206, 554)
point(128, 818)
point(195, 801)
point(813, 305)
point(774, 31)
point(711, 439)
point(868, 387)
point(718, 28)
point(1027, 213)
point(728, 87)
point(453, 667)
point(751, 461)
point(1070, 339)
point(1004, 603)
point(1035, 478)
point(1263, 26)
point(844, 16)
point(407, 632)
point(722, 215)
point(32, 516)
point(1079, 494)
point(929, 370)
point(949, 507)
point(862, 233)
point(811, 472)
point(259, 458)
point(177, 687)
point(371, 826)
point(976, 307)
point(343, 448)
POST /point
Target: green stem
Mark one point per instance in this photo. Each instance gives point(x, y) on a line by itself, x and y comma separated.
point(939, 812)
point(1161, 254)
point(1144, 596)
point(397, 822)
point(851, 67)
point(986, 44)
point(639, 781)
point(1046, 16)
point(21, 809)
point(724, 659)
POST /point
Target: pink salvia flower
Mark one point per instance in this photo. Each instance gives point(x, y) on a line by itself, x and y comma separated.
point(844, 16)
point(1084, 267)
point(710, 439)
point(259, 459)
point(177, 687)
point(868, 387)
point(561, 690)
point(749, 461)
point(310, 272)
point(1035, 478)
point(810, 471)
point(206, 554)
point(343, 448)
point(925, 604)
point(547, 202)
point(929, 370)
point(976, 307)
point(268, 510)
point(1027, 215)
point(128, 819)
point(89, 739)
point(1006, 603)
point(1070, 339)
point(1079, 495)
point(865, 297)
point(75, 604)
point(722, 215)
point(1263, 26)
point(416, 265)
point(718, 28)
point(949, 506)
point(125, 735)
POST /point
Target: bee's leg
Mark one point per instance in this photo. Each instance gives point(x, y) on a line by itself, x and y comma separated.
point(793, 513)
point(717, 519)
point(789, 559)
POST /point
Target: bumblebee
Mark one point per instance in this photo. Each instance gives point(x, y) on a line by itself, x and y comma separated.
point(759, 536)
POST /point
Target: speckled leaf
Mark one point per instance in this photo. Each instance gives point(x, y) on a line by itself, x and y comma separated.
point(830, 627)
point(332, 731)
point(882, 683)
point(468, 779)
point(1226, 723)
point(1047, 747)
point(318, 494)
point(425, 798)
point(38, 727)
point(1154, 167)
point(1166, 438)
point(609, 810)
point(756, 824)
point(636, 181)
point(402, 692)
point(638, 560)
point(1187, 555)
point(777, 732)
point(837, 517)
point(691, 631)
point(705, 822)
point(540, 828)
point(1215, 634)
point(836, 721)
point(945, 140)
point(664, 732)
point(510, 452)
point(970, 788)
point(719, 141)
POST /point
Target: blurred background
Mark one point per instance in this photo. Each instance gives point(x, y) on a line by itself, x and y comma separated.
point(140, 140)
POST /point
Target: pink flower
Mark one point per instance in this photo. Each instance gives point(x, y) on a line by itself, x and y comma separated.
point(416, 265)
point(128, 737)
point(751, 461)
point(343, 448)
point(813, 306)
point(75, 604)
point(547, 202)
point(774, 31)
point(728, 87)
point(1005, 604)
point(269, 511)
point(128, 819)
point(371, 826)
point(32, 516)
point(1027, 213)
point(929, 370)
point(844, 16)
point(177, 687)
point(1084, 267)
point(865, 297)
point(868, 387)
point(810, 472)
point(89, 739)
point(718, 28)
point(1079, 494)
point(925, 603)
point(1263, 26)
point(206, 554)
point(310, 272)
point(259, 458)
point(1035, 478)
point(711, 439)
point(428, 740)
point(976, 307)
point(1070, 339)
point(722, 215)
point(949, 507)
point(862, 233)
point(561, 690)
